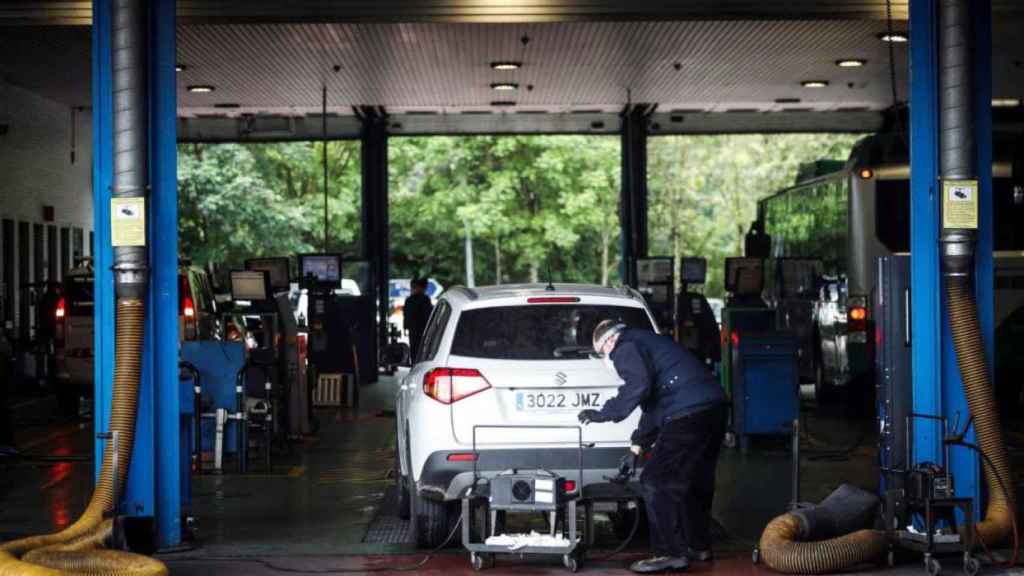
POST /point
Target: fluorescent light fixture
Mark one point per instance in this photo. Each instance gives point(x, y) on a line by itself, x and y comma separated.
point(814, 83)
point(180, 67)
point(201, 88)
point(896, 37)
point(1005, 102)
point(506, 65)
point(503, 103)
point(504, 86)
point(851, 63)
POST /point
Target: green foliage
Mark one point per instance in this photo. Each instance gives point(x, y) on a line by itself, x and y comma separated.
point(238, 201)
point(703, 190)
point(531, 203)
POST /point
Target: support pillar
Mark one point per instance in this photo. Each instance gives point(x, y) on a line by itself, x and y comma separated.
point(937, 388)
point(633, 193)
point(152, 492)
point(375, 233)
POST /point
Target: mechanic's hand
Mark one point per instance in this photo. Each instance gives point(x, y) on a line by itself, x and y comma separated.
point(588, 416)
point(636, 450)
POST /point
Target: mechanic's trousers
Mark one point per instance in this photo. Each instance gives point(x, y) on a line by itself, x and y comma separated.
point(679, 482)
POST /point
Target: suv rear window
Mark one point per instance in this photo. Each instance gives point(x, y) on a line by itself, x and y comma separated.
point(537, 332)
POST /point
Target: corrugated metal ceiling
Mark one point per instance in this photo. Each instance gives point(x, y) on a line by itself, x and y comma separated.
point(706, 65)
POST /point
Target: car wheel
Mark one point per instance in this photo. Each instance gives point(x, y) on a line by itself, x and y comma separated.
point(67, 402)
point(435, 521)
point(824, 393)
point(624, 519)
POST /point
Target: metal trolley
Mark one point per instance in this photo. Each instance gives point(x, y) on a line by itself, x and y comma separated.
point(505, 493)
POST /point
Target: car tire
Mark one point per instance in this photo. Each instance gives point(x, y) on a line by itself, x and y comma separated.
point(824, 392)
point(624, 518)
point(435, 520)
point(67, 402)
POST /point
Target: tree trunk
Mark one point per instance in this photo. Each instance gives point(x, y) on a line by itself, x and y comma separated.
point(534, 272)
point(604, 256)
point(497, 259)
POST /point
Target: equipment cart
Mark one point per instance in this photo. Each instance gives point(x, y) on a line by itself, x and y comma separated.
point(518, 491)
point(926, 491)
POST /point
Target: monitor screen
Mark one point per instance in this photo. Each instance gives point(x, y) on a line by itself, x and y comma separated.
point(694, 270)
point(744, 276)
point(278, 268)
point(324, 269)
point(250, 285)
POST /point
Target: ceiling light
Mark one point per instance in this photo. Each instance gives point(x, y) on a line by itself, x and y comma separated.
point(180, 67)
point(504, 103)
point(506, 65)
point(504, 86)
point(895, 37)
point(1005, 102)
point(814, 83)
point(851, 63)
point(201, 88)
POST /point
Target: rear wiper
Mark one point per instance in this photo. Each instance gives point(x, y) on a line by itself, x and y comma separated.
point(563, 351)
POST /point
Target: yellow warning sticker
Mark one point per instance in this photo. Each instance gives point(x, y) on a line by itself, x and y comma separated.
point(960, 204)
point(128, 221)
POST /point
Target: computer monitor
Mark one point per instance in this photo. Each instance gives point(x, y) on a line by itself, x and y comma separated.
point(694, 270)
point(744, 276)
point(322, 270)
point(250, 285)
point(278, 268)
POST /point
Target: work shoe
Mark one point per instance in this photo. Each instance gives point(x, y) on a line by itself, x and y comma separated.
point(660, 564)
point(699, 555)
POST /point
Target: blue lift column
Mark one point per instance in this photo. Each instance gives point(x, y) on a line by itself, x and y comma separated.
point(937, 386)
point(152, 491)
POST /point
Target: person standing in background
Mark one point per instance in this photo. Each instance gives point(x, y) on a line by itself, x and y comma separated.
point(416, 312)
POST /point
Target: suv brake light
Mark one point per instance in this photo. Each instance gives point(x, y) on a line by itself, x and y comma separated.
point(552, 300)
point(857, 319)
point(449, 385)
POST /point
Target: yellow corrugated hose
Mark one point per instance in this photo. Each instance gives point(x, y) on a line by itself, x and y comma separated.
point(78, 549)
point(779, 545)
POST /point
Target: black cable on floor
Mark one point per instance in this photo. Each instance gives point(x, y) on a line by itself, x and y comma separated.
point(371, 569)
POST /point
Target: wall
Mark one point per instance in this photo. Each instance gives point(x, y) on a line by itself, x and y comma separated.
point(45, 160)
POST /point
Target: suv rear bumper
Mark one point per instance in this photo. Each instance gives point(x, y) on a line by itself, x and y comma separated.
point(442, 479)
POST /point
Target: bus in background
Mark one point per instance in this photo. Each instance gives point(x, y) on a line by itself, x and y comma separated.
point(827, 233)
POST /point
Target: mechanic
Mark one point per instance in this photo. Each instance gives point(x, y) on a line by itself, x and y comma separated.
point(683, 425)
point(416, 312)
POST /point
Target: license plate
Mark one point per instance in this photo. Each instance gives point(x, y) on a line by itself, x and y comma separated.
point(555, 401)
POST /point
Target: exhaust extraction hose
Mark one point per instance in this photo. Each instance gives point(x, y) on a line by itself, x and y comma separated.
point(77, 548)
point(780, 543)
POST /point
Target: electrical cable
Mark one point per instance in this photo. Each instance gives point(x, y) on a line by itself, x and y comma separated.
point(371, 569)
point(1006, 494)
point(625, 543)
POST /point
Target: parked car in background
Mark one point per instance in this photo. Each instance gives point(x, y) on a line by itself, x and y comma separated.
point(74, 329)
point(508, 355)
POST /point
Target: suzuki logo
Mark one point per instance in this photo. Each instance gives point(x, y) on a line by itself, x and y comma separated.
point(561, 378)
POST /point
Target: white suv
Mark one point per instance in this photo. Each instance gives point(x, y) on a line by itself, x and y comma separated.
point(512, 355)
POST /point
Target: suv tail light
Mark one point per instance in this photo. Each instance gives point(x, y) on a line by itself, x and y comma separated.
point(59, 316)
point(187, 309)
point(449, 385)
point(857, 319)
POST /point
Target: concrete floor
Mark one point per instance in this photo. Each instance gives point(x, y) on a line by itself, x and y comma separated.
point(311, 513)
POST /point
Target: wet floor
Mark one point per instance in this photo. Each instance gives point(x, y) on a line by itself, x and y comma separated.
point(324, 506)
